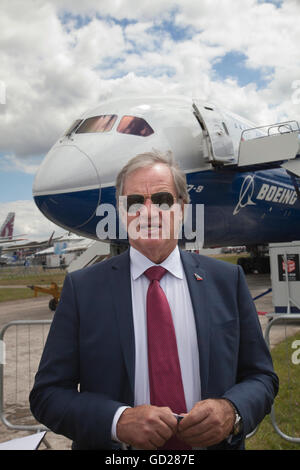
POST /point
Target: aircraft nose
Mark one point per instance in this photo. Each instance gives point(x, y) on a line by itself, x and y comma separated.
point(66, 188)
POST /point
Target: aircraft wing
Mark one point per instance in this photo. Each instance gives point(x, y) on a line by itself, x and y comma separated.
point(13, 239)
point(28, 245)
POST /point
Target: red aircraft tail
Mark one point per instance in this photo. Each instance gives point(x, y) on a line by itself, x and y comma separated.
point(7, 228)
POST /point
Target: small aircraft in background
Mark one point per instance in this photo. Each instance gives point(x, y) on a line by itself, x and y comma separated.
point(7, 237)
point(12, 252)
point(7, 230)
point(247, 177)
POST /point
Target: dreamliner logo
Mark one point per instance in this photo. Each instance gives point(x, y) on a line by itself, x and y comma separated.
point(246, 194)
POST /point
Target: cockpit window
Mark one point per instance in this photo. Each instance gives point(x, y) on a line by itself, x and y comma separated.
point(97, 124)
point(134, 126)
point(74, 126)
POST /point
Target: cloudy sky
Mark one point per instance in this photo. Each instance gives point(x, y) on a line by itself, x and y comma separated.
point(59, 58)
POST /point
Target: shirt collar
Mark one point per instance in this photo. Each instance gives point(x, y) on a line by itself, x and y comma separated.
point(139, 263)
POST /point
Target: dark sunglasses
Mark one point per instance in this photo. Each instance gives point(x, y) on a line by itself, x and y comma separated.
point(163, 199)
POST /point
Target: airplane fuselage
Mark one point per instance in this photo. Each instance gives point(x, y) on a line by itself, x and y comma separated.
point(241, 206)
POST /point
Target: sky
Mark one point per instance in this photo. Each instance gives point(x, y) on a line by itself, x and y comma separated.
point(60, 58)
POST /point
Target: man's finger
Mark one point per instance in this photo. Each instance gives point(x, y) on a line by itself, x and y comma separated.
point(169, 419)
point(197, 414)
point(197, 429)
point(205, 439)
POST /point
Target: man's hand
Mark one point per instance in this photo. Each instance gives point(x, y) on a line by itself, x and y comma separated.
point(146, 426)
point(209, 422)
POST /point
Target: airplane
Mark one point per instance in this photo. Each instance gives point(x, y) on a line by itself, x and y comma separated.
point(246, 176)
point(14, 253)
point(7, 230)
point(6, 235)
point(34, 246)
point(31, 246)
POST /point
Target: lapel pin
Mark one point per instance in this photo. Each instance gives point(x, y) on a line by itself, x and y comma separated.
point(198, 278)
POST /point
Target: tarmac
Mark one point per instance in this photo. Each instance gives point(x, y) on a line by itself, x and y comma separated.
point(37, 309)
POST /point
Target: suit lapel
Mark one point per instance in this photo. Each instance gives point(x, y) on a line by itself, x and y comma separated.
point(198, 292)
point(120, 284)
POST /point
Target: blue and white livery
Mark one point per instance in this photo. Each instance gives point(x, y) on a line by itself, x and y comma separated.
point(246, 176)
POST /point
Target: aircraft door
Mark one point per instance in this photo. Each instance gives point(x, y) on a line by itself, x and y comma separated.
point(219, 143)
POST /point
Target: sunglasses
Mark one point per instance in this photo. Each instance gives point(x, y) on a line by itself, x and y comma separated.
point(163, 199)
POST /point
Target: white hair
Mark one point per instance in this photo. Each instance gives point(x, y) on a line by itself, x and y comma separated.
point(149, 159)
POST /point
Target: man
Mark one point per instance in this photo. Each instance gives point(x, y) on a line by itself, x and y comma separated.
point(153, 334)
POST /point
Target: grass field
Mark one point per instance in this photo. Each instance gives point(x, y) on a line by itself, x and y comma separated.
point(33, 276)
point(287, 403)
point(7, 294)
point(19, 277)
point(230, 257)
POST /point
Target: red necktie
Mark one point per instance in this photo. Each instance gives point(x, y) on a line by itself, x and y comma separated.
point(166, 388)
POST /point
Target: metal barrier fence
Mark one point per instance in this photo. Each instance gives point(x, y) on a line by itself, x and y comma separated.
point(293, 401)
point(20, 352)
point(22, 343)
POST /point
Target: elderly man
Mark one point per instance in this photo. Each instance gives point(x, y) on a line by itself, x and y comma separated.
point(156, 348)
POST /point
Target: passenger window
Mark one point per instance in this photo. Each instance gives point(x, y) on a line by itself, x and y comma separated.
point(134, 126)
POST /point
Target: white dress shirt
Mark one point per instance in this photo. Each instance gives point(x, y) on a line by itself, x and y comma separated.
point(176, 289)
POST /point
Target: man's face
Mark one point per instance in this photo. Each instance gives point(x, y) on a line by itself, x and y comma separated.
point(151, 228)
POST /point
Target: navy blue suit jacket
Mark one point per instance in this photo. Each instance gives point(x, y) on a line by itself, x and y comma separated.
point(87, 367)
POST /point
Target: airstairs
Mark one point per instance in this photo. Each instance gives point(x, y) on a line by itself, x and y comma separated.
point(270, 144)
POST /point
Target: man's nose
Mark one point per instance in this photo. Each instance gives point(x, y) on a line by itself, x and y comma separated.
point(148, 207)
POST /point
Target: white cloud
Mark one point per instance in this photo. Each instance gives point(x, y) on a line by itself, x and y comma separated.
point(56, 65)
point(95, 41)
point(54, 69)
point(269, 36)
point(29, 220)
point(139, 35)
point(120, 9)
point(13, 163)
